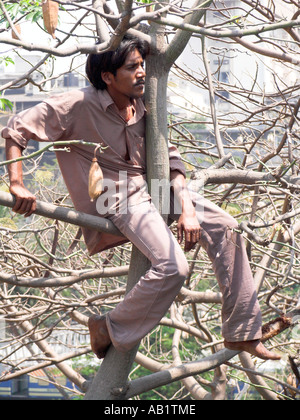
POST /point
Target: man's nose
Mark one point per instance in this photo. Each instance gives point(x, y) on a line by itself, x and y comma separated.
point(141, 72)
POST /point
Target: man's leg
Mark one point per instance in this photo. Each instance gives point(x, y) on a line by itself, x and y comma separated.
point(241, 315)
point(142, 308)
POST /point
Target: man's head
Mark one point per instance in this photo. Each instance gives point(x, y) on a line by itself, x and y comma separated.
point(103, 69)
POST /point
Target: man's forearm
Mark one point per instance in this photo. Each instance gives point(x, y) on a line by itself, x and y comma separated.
point(15, 171)
point(25, 201)
point(178, 184)
point(188, 225)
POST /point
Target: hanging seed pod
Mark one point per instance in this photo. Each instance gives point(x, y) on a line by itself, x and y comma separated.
point(95, 178)
point(18, 30)
point(50, 15)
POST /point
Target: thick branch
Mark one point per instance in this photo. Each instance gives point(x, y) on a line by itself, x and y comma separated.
point(177, 373)
point(102, 30)
point(227, 33)
point(237, 176)
point(268, 52)
point(212, 95)
point(187, 296)
point(42, 282)
point(66, 215)
point(182, 36)
point(58, 52)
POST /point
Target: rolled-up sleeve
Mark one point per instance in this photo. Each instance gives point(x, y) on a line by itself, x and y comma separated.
point(45, 122)
point(176, 163)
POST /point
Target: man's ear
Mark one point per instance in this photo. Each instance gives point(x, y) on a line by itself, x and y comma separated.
point(107, 77)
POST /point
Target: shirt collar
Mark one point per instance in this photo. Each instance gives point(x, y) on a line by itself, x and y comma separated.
point(106, 101)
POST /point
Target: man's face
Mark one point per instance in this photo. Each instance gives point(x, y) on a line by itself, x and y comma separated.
point(129, 80)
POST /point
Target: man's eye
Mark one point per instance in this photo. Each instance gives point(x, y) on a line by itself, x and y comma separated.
point(136, 66)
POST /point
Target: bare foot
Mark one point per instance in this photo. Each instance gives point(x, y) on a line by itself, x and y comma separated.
point(100, 340)
point(254, 347)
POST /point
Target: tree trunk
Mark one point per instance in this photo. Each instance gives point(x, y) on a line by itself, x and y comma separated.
point(158, 165)
point(110, 383)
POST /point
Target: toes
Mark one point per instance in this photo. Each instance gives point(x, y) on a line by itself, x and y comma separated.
point(101, 355)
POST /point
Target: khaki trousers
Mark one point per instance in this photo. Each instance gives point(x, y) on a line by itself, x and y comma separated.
point(143, 307)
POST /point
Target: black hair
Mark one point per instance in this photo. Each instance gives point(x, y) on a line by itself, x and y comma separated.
point(111, 61)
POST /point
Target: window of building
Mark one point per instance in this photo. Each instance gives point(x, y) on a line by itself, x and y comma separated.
point(20, 386)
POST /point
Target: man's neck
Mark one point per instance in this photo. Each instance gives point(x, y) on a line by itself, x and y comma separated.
point(122, 102)
point(127, 113)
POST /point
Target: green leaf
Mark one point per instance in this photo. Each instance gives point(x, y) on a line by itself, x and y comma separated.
point(6, 60)
point(5, 104)
point(34, 16)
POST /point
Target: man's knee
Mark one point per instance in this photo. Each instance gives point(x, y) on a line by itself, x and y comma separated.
point(177, 268)
point(227, 221)
point(232, 224)
point(184, 269)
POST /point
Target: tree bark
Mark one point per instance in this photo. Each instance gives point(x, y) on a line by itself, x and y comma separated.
point(110, 383)
point(158, 165)
point(65, 215)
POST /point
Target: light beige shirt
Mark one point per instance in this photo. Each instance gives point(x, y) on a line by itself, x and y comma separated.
point(92, 116)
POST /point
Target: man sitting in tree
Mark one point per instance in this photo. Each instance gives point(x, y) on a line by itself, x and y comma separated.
point(111, 112)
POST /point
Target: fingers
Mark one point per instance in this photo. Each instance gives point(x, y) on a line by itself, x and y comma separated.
point(25, 206)
point(25, 201)
point(189, 228)
point(192, 237)
point(180, 233)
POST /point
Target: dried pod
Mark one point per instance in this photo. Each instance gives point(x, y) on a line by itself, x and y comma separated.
point(18, 30)
point(95, 180)
point(50, 15)
point(275, 327)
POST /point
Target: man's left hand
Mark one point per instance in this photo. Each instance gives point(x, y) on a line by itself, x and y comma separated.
point(189, 228)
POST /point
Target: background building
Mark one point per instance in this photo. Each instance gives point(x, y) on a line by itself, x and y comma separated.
point(234, 64)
